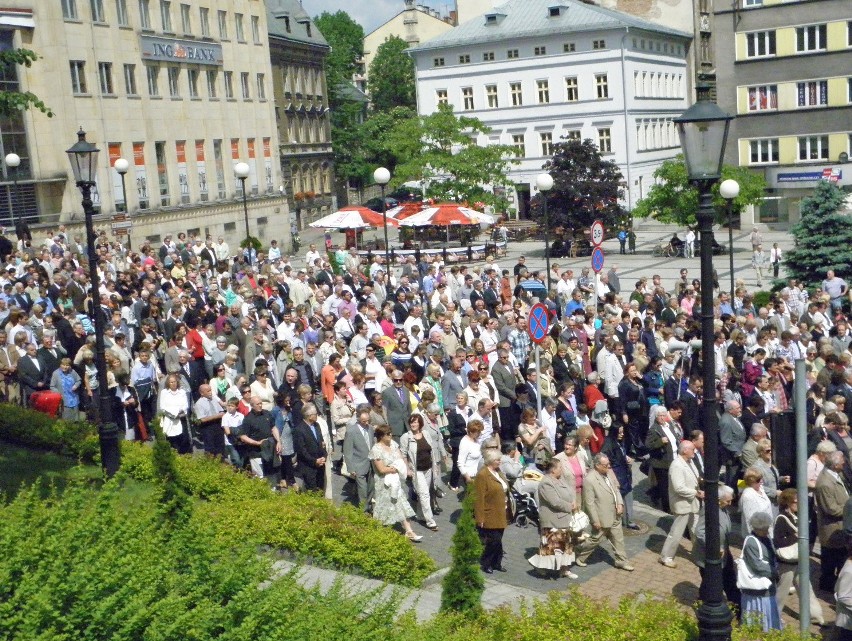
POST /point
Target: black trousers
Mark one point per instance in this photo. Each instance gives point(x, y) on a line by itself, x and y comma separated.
point(637, 431)
point(733, 471)
point(662, 487)
point(455, 473)
point(288, 469)
point(831, 561)
point(213, 438)
point(314, 477)
point(492, 548)
point(181, 443)
point(507, 433)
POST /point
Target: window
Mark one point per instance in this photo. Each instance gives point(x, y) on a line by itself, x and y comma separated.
point(812, 94)
point(229, 85)
point(543, 87)
point(121, 13)
point(238, 27)
point(467, 98)
point(540, 51)
point(438, 62)
point(130, 80)
point(162, 173)
point(193, 83)
point(464, 59)
point(78, 76)
point(152, 74)
point(223, 25)
point(546, 143)
point(97, 10)
point(491, 96)
point(572, 134)
point(763, 151)
point(185, 20)
point(145, 13)
point(813, 148)
point(173, 74)
point(752, 3)
point(244, 85)
point(105, 78)
point(519, 144)
point(810, 38)
point(212, 82)
point(601, 86)
point(488, 56)
point(511, 54)
point(255, 29)
point(204, 20)
point(516, 94)
point(598, 44)
point(569, 47)
point(166, 14)
point(760, 43)
point(763, 98)
point(261, 86)
point(441, 97)
point(69, 9)
point(553, 12)
point(572, 91)
point(605, 140)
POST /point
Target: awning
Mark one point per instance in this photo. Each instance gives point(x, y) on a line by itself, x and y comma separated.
point(17, 18)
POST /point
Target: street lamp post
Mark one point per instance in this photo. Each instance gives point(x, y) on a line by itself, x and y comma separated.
point(241, 170)
point(84, 163)
point(382, 177)
point(122, 166)
point(13, 161)
point(730, 189)
point(544, 182)
point(703, 132)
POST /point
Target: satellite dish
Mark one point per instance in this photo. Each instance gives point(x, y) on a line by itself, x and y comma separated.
point(843, 157)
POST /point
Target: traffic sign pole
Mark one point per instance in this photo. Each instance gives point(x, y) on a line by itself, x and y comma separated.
point(538, 380)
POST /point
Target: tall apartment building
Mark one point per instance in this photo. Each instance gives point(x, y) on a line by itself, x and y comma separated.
point(787, 75)
point(537, 71)
point(181, 89)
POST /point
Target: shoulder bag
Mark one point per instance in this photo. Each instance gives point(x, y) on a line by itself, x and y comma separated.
point(745, 579)
point(789, 553)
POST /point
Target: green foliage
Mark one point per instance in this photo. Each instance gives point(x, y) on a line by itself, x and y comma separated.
point(823, 237)
point(14, 102)
point(464, 584)
point(672, 199)
point(346, 38)
point(585, 187)
point(255, 243)
point(761, 299)
point(441, 149)
point(76, 439)
point(391, 77)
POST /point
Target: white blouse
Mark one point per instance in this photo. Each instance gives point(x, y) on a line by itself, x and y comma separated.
point(172, 402)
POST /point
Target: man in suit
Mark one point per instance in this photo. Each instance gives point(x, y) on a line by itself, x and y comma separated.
point(603, 503)
point(504, 381)
point(691, 419)
point(830, 495)
point(49, 353)
point(684, 497)
point(31, 373)
point(311, 454)
point(452, 382)
point(732, 439)
point(397, 406)
point(357, 443)
point(697, 438)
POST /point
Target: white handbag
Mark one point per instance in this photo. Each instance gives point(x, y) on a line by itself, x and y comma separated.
point(745, 579)
point(579, 522)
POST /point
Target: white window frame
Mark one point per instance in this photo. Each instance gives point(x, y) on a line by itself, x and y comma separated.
point(69, 10)
point(229, 85)
point(543, 91)
point(442, 97)
point(145, 14)
point(166, 15)
point(105, 79)
point(488, 56)
point(261, 86)
point(767, 151)
point(255, 29)
point(764, 44)
point(204, 21)
point(540, 50)
point(98, 13)
point(512, 54)
point(192, 78)
point(468, 103)
point(519, 142)
point(491, 97)
point(516, 94)
point(546, 139)
point(130, 80)
point(438, 62)
point(173, 79)
point(222, 19)
point(803, 94)
point(239, 28)
point(572, 89)
point(186, 18)
point(78, 77)
point(152, 79)
point(813, 38)
point(601, 86)
point(753, 96)
point(815, 147)
point(245, 85)
point(598, 44)
point(122, 17)
point(605, 140)
point(464, 59)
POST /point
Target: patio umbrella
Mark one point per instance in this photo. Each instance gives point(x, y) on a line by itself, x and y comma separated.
point(353, 218)
point(406, 210)
point(446, 214)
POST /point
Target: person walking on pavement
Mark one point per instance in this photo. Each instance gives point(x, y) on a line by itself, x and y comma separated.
point(775, 258)
point(758, 261)
point(622, 241)
point(756, 239)
point(689, 246)
point(684, 499)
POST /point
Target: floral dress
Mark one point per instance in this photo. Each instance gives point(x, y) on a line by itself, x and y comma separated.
point(391, 496)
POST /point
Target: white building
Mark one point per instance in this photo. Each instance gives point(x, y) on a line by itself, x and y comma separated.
point(536, 71)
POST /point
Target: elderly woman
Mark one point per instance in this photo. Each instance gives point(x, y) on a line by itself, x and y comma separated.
point(662, 442)
point(391, 506)
point(615, 447)
point(263, 388)
point(699, 545)
point(423, 455)
point(491, 491)
point(457, 420)
point(557, 503)
point(786, 536)
point(534, 438)
point(470, 451)
point(573, 467)
point(771, 478)
point(174, 406)
point(754, 500)
point(758, 604)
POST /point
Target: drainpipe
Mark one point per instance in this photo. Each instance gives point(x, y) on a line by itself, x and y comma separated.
point(626, 129)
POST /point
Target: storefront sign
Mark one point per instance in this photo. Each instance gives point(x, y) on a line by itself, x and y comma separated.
point(810, 176)
point(159, 49)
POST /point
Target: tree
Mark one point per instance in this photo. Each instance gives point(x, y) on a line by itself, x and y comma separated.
point(585, 187)
point(823, 237)
point(464, 584)
point(441, 150)
point(674, 200)
point(14, 102)
point(346, 38)
point(391, 78)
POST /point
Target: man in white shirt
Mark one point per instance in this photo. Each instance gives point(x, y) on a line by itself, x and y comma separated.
point(343, 328)
point(415, 317)
point(311, 255)
point(614, 370)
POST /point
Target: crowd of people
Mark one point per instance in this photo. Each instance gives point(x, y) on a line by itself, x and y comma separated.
point(419, 382)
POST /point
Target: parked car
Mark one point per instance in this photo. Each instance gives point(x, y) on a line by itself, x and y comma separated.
point(376, 203)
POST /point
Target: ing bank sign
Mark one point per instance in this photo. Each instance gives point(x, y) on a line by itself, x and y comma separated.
point(157, 49)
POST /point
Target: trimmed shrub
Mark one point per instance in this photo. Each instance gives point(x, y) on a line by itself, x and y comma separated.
point(761, 298)
point(464, 584)
point(77, 439)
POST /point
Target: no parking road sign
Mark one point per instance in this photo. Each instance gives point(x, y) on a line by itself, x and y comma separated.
point(538, 323)
point(597, 259)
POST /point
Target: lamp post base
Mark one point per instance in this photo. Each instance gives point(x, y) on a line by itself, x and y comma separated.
point(714, 621)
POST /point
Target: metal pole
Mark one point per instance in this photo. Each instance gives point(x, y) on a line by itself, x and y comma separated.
point(595, 294)
point(546, 242)
point(800, 393)
point(714, 616)
point(17, 196)
point(245, 215)
point(537, 381)
point(107, 430)
point(126, 208)
point(385, 220)
point(731, 247)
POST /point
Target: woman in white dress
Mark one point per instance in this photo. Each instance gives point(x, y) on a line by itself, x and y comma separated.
point(754, 500)
point(391, 505)
point(470, 452)
point(174, 406)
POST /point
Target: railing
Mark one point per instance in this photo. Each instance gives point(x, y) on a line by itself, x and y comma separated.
point(448, 254)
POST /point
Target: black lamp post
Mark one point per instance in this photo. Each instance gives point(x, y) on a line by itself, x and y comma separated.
point(84, 163)
point(703, 132)
point(544, 182)
point(382, 177)
point(241, 170)
point(730, 189)
point(13, 161)
point(122, 166)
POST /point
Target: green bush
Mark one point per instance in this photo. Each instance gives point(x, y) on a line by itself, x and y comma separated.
point(464, 584)
point(761, 299)
point(77, 439)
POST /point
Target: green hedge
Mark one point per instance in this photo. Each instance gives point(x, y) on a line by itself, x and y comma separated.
point(77, 439)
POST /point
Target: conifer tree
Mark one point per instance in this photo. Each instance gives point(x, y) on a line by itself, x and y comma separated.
point(464, 584)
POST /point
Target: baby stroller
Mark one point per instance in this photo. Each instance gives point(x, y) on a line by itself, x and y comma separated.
point(523, 509)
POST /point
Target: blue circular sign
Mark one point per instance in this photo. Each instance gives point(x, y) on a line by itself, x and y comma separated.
point(597, 259)
point(538, 322)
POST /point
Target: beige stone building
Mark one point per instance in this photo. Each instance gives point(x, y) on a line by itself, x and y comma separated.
point(182, 90)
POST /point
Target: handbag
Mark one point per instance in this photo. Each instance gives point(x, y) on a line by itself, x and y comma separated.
point(789, 553)
point(579, 522)
point(745, 579)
